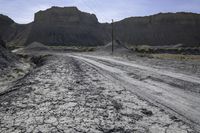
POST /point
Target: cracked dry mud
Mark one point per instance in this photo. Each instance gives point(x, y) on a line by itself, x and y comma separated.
point(68, 95)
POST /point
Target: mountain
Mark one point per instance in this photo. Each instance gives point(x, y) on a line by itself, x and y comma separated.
point(14, 34)
point(6, 57)
point(160, 29)
point(5, 23)
point(67, 26)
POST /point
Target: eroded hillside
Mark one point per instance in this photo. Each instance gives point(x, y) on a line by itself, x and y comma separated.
point(68, 26)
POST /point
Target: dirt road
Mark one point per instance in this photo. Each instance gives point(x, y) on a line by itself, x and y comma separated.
point(81, 93)
point(176, 91)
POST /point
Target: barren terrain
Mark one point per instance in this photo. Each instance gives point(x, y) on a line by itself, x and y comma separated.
point(87, 93)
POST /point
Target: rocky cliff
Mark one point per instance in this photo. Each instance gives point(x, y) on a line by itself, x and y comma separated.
point(70, 27)
point(66, 26)
point(160, 29)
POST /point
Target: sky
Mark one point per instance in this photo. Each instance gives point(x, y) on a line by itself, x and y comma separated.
point(22, 11)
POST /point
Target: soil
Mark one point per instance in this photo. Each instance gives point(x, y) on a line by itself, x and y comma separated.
point(87, 93)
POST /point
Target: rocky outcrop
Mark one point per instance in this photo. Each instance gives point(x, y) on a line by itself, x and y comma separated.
point(160, 29)
point(67, 26)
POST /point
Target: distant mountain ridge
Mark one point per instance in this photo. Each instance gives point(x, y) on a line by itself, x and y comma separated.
point(71, 27)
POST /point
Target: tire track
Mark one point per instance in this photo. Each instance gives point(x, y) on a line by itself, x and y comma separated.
point(185, 104)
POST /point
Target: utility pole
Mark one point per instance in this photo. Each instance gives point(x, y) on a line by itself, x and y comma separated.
point(112, 36)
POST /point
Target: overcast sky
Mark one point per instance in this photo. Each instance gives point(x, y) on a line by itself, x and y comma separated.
point(22, 11)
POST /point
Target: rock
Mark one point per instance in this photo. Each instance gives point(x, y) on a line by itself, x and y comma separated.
point(174, 118)
point(160, 29)
point(66, 26)
point(65, 15)
point(5, 22)
point(14, 34)
point(2, 43)
point(147, 112)
point(133, 116)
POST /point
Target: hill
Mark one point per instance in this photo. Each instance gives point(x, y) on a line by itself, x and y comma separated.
point(68, 26)
point(12, 33)
point(160, 29)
